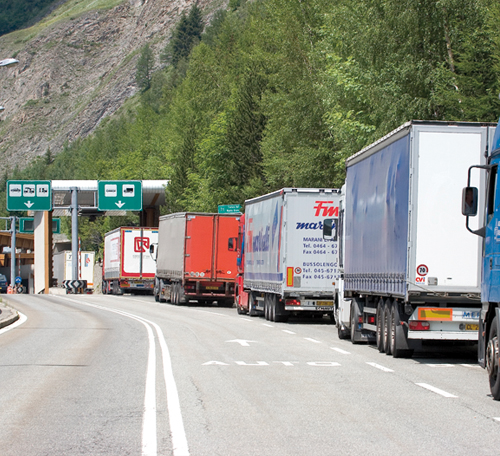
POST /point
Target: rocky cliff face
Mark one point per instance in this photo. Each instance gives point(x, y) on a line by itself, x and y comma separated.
point(75, 72)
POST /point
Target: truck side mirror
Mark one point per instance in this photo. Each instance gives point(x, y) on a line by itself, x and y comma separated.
point(152, 251)
point(469, 201)
point(232, 243)
point(330, 229)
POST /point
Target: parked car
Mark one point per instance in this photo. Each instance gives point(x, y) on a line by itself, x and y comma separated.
point(3, 283)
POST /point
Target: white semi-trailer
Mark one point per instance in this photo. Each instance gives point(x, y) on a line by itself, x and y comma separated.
point(128, 266)
point(288, 268)
point(411, 270)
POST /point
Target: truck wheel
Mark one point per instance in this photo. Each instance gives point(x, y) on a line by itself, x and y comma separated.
point(492, 360)
point(343, 332)
point(175, 295)
point(267, 307)
point(104, 287)
point(355, 314)
point(387, 327)
point(380, 326)
point(251, 305)
point(396, 351)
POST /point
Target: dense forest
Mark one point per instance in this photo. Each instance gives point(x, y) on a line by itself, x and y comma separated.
point(275, 93)
point(17, 14)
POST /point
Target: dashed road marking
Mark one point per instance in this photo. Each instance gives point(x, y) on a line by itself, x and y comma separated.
point(439, 365)
point(287, 331)
point(312, 340)
point(268, 325)
point(339, 350)
point(435, 390)
point(378, 366)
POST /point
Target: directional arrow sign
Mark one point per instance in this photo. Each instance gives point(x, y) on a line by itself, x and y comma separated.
point(243, 343)
point(29, 196)
point(119, 195)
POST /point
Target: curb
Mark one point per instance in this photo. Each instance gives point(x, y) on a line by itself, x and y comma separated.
point(7, 315)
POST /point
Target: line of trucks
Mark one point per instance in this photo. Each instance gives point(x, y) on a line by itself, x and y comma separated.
point(387, 256)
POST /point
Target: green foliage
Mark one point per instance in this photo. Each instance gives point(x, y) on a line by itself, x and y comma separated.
point(186, 35)
point(20, 13)
point(145, 65)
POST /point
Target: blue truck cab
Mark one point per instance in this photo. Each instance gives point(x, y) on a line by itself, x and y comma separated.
point(489, 230)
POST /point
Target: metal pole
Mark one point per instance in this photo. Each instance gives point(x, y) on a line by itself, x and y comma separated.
point(74, 232)
point(13, 251)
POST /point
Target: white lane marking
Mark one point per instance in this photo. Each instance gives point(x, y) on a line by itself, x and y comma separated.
point(177, 431)
point(242, 342)
point(268, 325)
point(323, 363)
point(340, 351)
point(288, 331)
point(440, 365)
point(496, 418)
point(149, 442)
point(382, 368)
point(245, 319)
point(312, 340)
point(435, 390)
point(472, 366)
point(258, 363)
point(22, 318)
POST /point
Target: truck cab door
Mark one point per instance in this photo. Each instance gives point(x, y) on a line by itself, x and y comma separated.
point(491, 257)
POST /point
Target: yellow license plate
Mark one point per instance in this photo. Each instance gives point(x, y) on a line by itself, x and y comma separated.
point(324, 303)
point(212, 288)
point(471, 327)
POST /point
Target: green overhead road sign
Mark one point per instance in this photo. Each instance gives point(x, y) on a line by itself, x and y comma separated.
point(119, 195)
point(29, 196)
point(27, 225)
point(229, 209)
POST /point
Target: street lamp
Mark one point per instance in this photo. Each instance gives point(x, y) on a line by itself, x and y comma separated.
point(4, 63)
point(7, 62)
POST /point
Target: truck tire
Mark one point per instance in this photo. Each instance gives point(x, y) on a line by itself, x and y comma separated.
point(492, 360)
point(355, 314)
point(175, 294)
point(252, 312)
point(380, 325)
point(397, 331)
point(266, 307)
point(387, 327)
point(343, 332)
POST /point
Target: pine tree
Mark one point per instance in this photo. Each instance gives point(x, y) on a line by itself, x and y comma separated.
point(186, 35)
point(144, 68)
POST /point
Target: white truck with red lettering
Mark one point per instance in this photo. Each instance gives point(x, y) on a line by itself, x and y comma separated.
point(288, 268)
point(128, 265)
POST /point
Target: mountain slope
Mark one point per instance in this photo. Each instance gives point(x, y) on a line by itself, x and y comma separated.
point(76, 67)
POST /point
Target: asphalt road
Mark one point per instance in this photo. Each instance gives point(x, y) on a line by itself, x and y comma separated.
point(108, 375)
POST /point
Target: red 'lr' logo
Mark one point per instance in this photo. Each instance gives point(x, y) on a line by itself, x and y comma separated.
point(141, 244)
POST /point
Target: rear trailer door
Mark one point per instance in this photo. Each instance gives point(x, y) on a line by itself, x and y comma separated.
point(199, 250)
point(444, 265)
point(446, 257)
point(225, 260)
point(136, 259)
point(310, 262)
